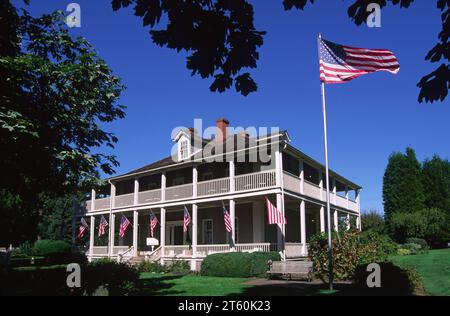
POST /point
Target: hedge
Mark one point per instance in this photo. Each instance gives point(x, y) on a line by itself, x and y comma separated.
point(47, 247)
point(237, 264)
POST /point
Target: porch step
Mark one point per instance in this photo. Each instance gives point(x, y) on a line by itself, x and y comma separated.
point(136, 260)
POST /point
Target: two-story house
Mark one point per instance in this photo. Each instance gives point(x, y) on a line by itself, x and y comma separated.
point(205, 174)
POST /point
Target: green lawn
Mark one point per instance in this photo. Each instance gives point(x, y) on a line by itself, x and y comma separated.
point(191, 285)
point(433, 268)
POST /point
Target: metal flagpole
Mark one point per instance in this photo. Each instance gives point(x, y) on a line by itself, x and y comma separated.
point(330, 250)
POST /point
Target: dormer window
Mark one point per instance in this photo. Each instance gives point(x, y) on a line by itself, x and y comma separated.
point(183, 149)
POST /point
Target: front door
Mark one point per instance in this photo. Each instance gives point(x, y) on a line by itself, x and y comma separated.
point(175, 234)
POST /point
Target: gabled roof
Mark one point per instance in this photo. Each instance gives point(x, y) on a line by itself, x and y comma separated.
point(231, 144)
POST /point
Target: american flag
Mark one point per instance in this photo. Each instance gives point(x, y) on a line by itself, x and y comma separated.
point(274, 216)
point(153, 223)
point(124, 223)
point(339, 63)
point(226, 218)
point(186, 220)
point(102, 226)
point(84, 225)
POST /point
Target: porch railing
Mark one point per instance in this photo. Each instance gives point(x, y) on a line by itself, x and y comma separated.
point(312, 190)
point(291, 182)
point(124, 200)
point(179, 192)
point(177, 250)
point(213, 187)
point(100, 251)
point(119, 249)
point(254, 181)
point(150, 196)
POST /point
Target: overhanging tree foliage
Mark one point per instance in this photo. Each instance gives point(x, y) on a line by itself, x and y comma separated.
point(223, 42)
point(56, 96)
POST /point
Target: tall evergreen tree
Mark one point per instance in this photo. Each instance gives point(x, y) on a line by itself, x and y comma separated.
point(402, 185)
point(436, 181)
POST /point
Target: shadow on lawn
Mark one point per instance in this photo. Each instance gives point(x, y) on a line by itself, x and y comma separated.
point(159, 286)
point(295, 288)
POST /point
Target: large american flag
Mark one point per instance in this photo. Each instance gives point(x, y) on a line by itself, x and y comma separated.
point(124, 223)
point(274, 216)
point(153, 223)
point(186, 220)
point(83, 226)
point(226, 218)
point(102, 226)
point(339, 63)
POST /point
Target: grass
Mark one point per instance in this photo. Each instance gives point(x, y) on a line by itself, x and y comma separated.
point(191, 285)
point(433, 268)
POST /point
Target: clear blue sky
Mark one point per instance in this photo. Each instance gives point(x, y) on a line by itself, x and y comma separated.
point(369, 118)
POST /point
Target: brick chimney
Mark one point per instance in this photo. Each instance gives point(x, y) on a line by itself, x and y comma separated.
point(221, 129)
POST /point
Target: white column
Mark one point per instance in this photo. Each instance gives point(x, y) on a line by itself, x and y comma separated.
point(232, 172)
point(113, 195)
point(333, 183)
point(336, 220)
point(346, 197)
point(112, 227)
point(194, 181)
point(194, 229)
point(348, 221)
point(278, 168)
point(358, 206)
point(91, 236)
point(136, 191)
point(302, 177)
point(303, 226)
point(322, 219)
point(233, 223)
point(135, 232)
point(163, 186)
point(280, 236)
point(162, 238)
point(93, 196)
point(322, 195)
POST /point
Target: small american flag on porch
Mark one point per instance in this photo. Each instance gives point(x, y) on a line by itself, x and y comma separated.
point(153, 223)
point(84, 225)
point(226, 218)
point(102, 226)
point(274, 216)
point(124, 223)
point(186, 220)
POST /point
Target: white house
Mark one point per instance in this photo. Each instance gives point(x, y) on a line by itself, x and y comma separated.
point(291, 180)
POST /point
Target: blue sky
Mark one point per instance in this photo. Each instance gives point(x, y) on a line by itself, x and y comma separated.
point(368, 118)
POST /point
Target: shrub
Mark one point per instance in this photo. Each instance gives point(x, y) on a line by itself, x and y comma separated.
point(179, 267)
point(372, 221)
point(394, 280)
point(23, 251)
point(384, 245)
point(412, 249)
point(65, 258)
point(46, 247)
point(237, 264)
point(151, 266)
point(419, 241)
point(350, 249)
point(118, 278)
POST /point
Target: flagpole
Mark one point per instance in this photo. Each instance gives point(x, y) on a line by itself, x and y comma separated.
point(325, 133)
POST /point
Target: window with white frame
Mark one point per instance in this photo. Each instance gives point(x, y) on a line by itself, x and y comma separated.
point(208, 231)
point(184, 149)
